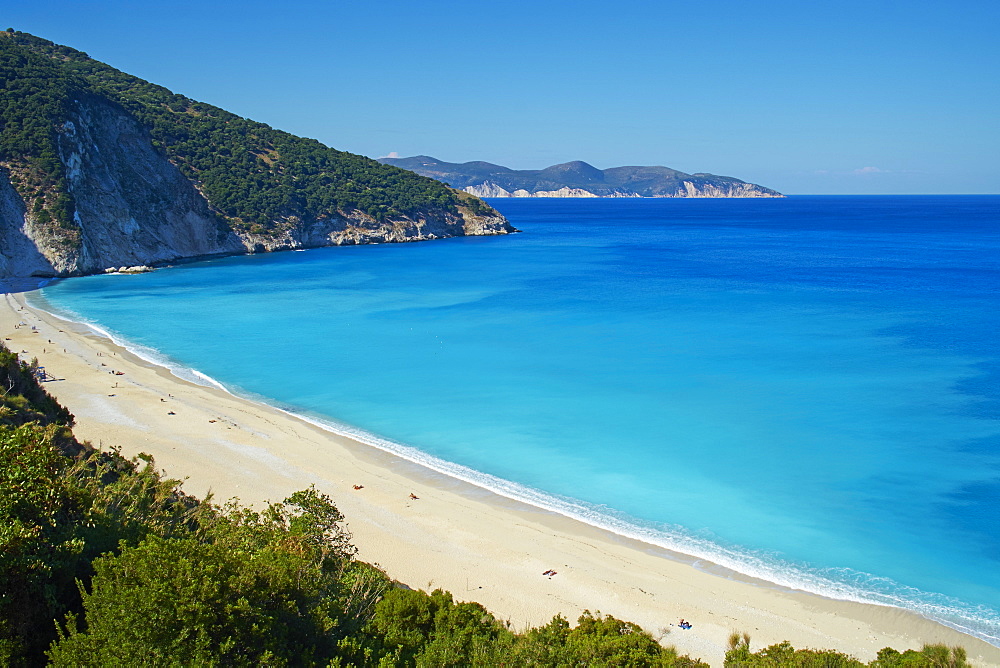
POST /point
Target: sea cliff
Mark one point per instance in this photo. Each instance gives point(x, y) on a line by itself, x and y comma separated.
point(99, 170)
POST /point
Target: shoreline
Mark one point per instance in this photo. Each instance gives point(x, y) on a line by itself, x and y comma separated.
point(568, 508)
point(480, 544)
point(723, 562)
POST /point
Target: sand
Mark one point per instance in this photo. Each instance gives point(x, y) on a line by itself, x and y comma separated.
point(479, 545)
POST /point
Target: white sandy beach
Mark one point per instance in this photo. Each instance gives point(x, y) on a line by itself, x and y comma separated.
point(480, 546)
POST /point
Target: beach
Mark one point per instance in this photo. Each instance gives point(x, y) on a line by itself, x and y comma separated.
point(479, 545)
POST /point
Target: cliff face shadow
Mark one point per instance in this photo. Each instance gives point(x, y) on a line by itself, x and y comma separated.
point(15, 285)
point(19, 256)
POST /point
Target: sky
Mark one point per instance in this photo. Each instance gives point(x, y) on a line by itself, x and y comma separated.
point(838, 97)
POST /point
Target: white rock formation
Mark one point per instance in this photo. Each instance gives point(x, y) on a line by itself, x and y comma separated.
point(490, 189)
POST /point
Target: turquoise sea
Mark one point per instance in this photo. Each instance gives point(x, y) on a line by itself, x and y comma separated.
point(806, 389)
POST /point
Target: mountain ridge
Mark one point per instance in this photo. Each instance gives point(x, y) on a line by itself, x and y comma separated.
point(101, 169)
point(578, 179)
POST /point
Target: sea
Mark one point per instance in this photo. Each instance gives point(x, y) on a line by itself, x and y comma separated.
point(803, 390)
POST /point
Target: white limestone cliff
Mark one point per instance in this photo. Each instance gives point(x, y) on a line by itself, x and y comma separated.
point(489, 189)
point(689, 189)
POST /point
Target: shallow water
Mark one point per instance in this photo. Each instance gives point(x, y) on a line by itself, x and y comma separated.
point(804, 389)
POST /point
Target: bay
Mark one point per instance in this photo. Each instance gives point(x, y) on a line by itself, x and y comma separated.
point(801, 389)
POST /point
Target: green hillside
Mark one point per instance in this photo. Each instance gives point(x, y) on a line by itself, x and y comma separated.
point(258, 178)
point(103, 562)
point(35, 94)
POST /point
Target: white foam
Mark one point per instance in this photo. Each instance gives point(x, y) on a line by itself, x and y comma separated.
point(209, 380)
point(145, 353)
point(874, 590)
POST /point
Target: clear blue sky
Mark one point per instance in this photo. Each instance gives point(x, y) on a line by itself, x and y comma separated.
point(848, 97)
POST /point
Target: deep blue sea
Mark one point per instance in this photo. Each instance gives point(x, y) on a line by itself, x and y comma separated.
point(804, 389)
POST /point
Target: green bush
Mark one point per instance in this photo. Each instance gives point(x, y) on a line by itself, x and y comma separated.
point(783, 654)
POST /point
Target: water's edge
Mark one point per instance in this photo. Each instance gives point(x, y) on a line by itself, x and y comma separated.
point(833, 583)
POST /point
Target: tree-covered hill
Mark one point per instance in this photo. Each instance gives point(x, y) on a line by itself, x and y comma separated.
point(34, 99)
point(56, 103)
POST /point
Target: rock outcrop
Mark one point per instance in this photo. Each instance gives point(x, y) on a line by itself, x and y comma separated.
point(19, 255)
point(488, 189)
point(132, 206)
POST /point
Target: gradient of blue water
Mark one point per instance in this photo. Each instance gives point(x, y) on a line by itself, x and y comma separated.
point(812, 381)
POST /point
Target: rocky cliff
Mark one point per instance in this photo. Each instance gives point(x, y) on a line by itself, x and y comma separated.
point(578, 179)
point(99, 170)
point(490, 189)
point(133, 207)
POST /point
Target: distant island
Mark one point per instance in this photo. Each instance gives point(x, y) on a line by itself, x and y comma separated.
point(577, 179)
point(101, 170)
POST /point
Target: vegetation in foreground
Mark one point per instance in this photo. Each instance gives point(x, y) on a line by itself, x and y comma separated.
point(105, 562)
point(783, 654)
